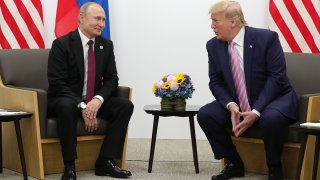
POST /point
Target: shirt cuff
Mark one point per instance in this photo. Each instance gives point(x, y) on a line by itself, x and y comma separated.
point(256, 112)
point(99, 97)
point(79, 105)
point(229, 104)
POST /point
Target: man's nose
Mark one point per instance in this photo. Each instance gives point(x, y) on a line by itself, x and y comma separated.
point(101, 23)
point(212, 26)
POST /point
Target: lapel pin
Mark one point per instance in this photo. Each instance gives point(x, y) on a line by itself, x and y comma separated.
point(101, 47)
point(250, 46)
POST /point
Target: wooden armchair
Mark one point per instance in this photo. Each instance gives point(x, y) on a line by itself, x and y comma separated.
point(313, 116)
point(23, 85)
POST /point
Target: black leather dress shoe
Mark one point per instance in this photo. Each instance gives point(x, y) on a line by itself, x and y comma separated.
point(275, 173)
point(230, 170)
point(110, 168)
point(69, 172)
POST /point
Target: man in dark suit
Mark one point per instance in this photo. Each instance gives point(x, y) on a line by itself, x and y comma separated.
point(248, 79)
point(82, 76)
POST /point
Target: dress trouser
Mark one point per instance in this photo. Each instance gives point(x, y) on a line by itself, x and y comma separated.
point(215, 119)
point(117, 111)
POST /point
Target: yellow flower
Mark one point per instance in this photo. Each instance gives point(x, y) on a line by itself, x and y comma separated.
point(166, 85)
point(179, 79)
point(179, 75)
point(154, 88)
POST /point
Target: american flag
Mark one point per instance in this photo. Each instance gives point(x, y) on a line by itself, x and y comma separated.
point(297, 23)
point(21, 24)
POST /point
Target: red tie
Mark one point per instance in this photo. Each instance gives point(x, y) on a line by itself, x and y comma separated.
point(91, 72)
point(238, 78)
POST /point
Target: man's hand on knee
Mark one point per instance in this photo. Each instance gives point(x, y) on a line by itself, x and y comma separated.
point(92, 108)
point(90, 125)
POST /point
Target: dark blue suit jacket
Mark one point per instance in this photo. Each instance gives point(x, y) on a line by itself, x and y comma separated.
point(265, 73)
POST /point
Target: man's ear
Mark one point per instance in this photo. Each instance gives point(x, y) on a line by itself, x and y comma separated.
point(81, 17)
point(233, 23)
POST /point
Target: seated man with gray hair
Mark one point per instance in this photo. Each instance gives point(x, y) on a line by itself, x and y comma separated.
point(82, 77)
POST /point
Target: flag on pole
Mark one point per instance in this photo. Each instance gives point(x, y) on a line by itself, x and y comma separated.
point(297, 23)
point(21, 24)
point(67, 16)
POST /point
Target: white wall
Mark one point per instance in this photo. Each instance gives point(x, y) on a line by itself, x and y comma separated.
point(157, 37)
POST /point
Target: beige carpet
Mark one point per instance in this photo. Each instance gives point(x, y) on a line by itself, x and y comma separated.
point(172, 161)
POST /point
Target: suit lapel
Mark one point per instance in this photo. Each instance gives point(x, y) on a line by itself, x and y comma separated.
point(78, 52)
point(248, 57)
point(226, 63)
point(99, 48)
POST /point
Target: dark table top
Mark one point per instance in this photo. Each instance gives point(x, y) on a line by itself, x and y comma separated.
point(14, 115)
point(304, 129)
point(191, 110)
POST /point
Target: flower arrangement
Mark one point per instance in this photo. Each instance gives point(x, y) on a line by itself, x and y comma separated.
point(174, 86)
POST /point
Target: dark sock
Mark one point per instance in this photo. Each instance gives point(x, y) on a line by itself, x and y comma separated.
point(103, 159)
point(234, 158)
point(276, 171)
point(276, 168)
point(69, 162)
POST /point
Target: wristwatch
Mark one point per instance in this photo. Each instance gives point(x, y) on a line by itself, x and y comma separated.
point(82, 105)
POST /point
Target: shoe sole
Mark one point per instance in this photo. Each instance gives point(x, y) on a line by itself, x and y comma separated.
point(107, 174)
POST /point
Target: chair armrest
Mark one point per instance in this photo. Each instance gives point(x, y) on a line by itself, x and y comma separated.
point(24, 100)
point(304, 106)
point(123, 91)
point(313, 114)
point(42, 106)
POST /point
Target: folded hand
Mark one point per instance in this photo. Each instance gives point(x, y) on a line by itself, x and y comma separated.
point(90, 125)
point(235, 115)
point(249, 118)
point(90, 115)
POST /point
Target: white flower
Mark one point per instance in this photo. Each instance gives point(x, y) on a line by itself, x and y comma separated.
point(174, 86)
point(159, 84)
point(171, 78)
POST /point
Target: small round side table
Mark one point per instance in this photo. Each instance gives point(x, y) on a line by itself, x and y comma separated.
point(15, 116)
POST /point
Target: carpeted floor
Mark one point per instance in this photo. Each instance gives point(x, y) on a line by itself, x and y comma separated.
point(172, 161)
